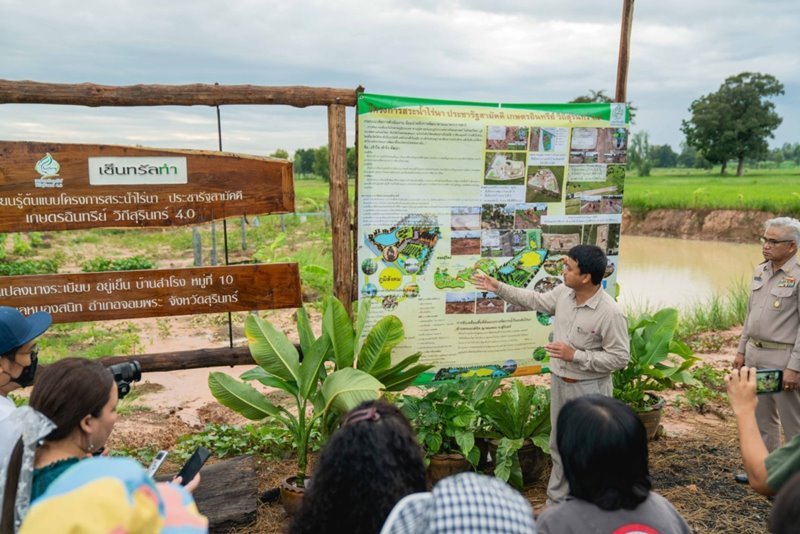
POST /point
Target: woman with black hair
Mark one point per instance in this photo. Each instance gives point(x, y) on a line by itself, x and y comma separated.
point(368, 465)
point(603, 446)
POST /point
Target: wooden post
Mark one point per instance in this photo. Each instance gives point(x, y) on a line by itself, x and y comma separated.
point(340, 206)
point(624, 51)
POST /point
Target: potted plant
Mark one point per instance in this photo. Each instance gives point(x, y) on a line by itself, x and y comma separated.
point(658, 361)
point(519, 421)
point(446, 420)
point(320, 394)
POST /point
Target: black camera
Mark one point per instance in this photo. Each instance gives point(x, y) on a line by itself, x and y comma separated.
point(124, 373)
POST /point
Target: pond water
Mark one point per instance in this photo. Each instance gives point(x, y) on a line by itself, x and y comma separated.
point(659, 272)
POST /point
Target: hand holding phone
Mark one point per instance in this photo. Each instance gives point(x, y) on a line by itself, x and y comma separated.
point(769, 381)
point(193, 465)
point(156, 463)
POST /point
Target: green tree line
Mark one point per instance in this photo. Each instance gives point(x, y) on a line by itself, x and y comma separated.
point(314, 161)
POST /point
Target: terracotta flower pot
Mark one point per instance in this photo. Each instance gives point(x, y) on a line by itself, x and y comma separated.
point(292, 495)
point(443, 465)
point(651, 419)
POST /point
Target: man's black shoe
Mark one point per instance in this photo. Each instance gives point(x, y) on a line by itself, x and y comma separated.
point(741, 478)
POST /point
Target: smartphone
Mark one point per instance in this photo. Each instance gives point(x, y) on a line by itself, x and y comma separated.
point(193, 465)
point(156, 463)
point(769, 380)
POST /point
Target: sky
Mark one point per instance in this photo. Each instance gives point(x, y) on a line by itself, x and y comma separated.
point(501, 51)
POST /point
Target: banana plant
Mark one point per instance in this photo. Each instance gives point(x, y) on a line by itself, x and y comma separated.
point(658, 361)
point(374, 355)
point(315, 392)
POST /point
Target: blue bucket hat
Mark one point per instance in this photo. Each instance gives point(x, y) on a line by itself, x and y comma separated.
point(16, 329)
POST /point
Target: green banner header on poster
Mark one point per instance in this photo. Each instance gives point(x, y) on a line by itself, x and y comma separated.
point(368, 103)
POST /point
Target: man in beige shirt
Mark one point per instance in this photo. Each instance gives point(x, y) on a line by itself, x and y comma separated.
point(590, 338)
point(771, 335)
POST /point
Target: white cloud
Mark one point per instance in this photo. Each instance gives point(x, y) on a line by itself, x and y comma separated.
point(509, 50)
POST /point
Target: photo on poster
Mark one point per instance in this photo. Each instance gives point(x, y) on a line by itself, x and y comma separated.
point(586, 197)
point(528, 216)
point(465, 218)
point(598, 145)
point(611, 204)
point(465, 243)
point(369, 290)
point(548, 283)
point(559, 239)
point(459, 303)
point(605, 236)
point(505, 168)
point(535, 238)
point(611, 268)
point(545, 184)
point(411, 241)
point(497, 216)
point(507, 137)
point(488, 302)
point(554, 264)
point(502, 243)
point(548, 139)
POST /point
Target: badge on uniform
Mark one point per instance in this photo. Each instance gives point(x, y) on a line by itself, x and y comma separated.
point(787, 282)
point(776, 304)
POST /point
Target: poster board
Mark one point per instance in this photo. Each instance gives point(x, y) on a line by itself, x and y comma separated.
point(448, 187)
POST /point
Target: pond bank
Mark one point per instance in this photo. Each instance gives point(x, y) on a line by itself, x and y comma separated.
point(708, 225)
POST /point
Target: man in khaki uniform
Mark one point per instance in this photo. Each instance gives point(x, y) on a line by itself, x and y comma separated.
point(771, 335)
point(590, 338)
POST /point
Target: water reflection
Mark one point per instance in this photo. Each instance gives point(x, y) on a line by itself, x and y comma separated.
point(658, 271)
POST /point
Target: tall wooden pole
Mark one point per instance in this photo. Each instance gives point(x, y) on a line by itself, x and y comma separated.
point(340, 206)
point(624, 51)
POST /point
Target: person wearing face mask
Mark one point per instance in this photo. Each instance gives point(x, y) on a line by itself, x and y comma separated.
point(18, 363)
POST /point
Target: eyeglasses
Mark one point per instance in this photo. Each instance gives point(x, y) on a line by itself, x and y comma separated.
point(773, 242)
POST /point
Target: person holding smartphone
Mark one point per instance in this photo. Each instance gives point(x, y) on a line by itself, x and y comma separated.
point(771, 334)
point(766, 471)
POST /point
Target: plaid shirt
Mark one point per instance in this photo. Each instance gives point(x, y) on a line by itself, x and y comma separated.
point(464, 503)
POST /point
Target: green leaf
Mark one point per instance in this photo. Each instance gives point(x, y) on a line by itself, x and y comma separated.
point(257, 373)
point(313, 366)
point(304, 331)
point(399, 380)
point(337, 326)
point(361, 319)
point(241, 398)
point(507, 467)
point(375, 354)
point(271, 349)
point(466, 444)
point(346, 388)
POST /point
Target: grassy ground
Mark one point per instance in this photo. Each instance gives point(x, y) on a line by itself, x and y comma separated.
point(774, 190)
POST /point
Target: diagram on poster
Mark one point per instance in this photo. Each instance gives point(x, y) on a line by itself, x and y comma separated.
point(503, 189)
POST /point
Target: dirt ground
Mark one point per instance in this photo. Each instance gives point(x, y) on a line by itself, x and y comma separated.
point(693, 460)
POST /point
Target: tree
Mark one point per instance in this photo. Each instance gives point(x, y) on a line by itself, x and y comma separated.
point(602, 97)
point(735, 121)
point(663, 156)
point(280, 153)
point(352, 157)
point(304, 160)
point(321, 165)
point(639, 153)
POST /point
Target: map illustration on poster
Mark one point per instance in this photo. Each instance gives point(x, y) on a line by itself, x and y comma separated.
point(447, 188)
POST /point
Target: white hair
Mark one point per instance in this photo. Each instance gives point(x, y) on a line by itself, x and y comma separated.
point(786, 222)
